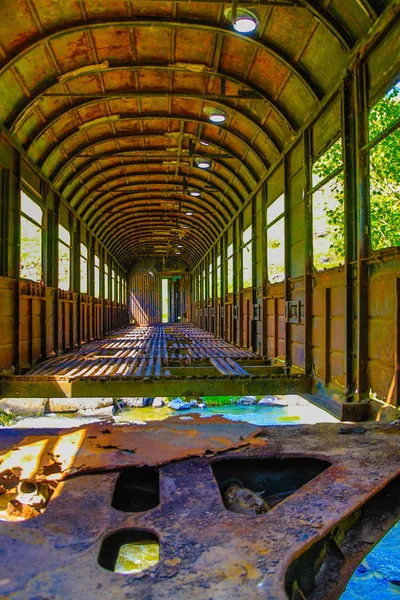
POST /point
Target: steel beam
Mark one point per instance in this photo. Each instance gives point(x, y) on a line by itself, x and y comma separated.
point(37, 387)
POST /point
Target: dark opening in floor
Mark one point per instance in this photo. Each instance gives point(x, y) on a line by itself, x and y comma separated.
point(137, 489)
point(270, 479)
point(129, 551)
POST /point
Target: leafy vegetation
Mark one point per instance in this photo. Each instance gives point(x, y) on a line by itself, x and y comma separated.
point(6, 418)
point(328, 210)
point(328, 201)
point(384, 173)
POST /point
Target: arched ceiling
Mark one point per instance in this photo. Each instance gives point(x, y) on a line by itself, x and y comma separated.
point(107, 97)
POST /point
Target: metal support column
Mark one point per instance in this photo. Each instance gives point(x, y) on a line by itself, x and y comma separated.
point(308, 252)
point(362, 182)
point(350, 225)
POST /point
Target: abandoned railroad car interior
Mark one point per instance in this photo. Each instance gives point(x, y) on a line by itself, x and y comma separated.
point(199, 299)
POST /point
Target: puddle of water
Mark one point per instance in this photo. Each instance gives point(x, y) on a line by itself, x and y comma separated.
point(374, 578)
point(298, 411)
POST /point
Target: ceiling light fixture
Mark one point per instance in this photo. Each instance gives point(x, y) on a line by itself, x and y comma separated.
point(194, 193)
point(203, 143)
point(203, 163)
point(244, 22)
point(215, 115)
point(189, 214)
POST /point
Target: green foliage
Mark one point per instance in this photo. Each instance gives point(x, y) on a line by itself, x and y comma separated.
point(273, 243)
point(384, 161)
point(328, 162)
point(385, 192)
point(6, 418)
point(219, 400)
point(385, 112)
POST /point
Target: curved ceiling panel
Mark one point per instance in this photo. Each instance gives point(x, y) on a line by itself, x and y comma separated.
point(109, 99)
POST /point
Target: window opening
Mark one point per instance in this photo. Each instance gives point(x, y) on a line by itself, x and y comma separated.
point(210, 280)
point(84, 269)
point(96, 276)
point(165, 300)
point(112, 285)
point(64, 258)
point(219, 287)
point(30, 239)
point(328, 209)
point(247, 258)
point(106, 280)
point(276, 240)
point(384, 169)
point(230, 269)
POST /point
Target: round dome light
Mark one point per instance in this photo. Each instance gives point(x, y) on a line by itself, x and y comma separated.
point(194, 193)
point(217, 118)
point(245, 22)
point(203, 163)
point(215, 115)
point(245, 25)
point(189, 214)
point(203, 143)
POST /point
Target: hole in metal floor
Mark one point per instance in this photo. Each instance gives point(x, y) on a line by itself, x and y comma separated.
point(137, 490)
point(129, 551)
point(272, 479)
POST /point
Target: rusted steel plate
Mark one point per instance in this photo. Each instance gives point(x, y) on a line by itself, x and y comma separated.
point(99, 447)
point(206, 550)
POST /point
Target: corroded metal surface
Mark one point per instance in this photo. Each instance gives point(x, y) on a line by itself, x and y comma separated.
point(98, 447)
point(206, 551)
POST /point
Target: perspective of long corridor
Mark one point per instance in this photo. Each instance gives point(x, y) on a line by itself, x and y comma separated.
point(199, 298)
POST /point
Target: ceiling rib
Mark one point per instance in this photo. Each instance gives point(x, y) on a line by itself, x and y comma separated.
point(255, 152)
point(103, 159)
point(88, 197)
point(124, 118)
point(125, 206)
point(47, 85)
point(102, 203)
point(164, 180)
point(305, 77)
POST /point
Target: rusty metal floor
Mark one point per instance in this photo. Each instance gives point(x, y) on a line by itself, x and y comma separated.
point(151, 361)
point(306, 547)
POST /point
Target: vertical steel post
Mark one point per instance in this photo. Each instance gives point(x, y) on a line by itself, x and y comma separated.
point(363, 238)
point(350, 226)
point(264, 267)
point(254, 254)
point(396, 399)
point(288, 267)
point(17, 263)
point(308, 251)
point(4, 220)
